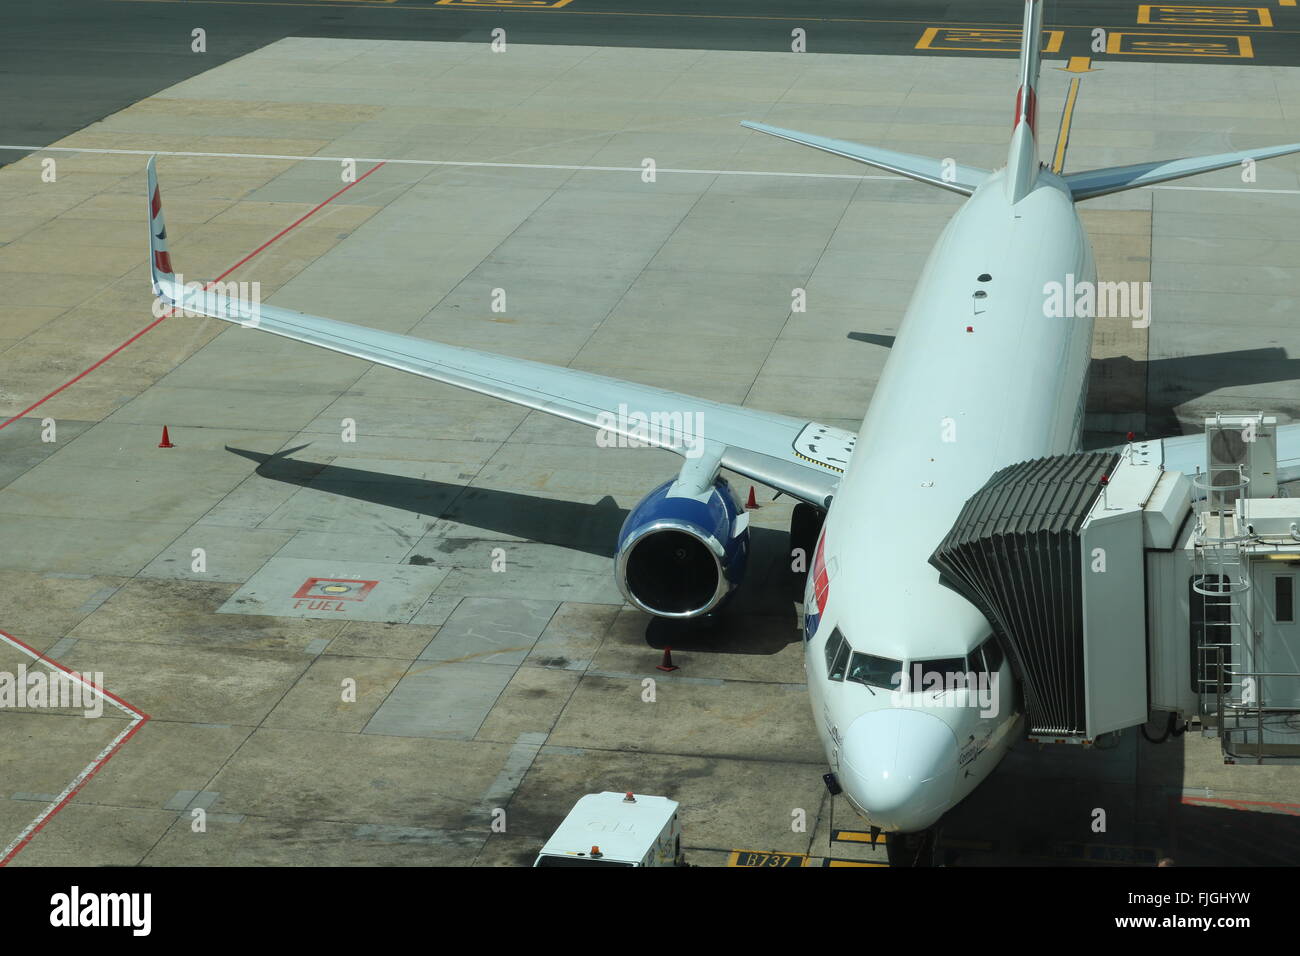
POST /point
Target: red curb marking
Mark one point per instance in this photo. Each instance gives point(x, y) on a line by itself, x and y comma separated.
point(156, 322)
point(1292, 809)
point(141, 718)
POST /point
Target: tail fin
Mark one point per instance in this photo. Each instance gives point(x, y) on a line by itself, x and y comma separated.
point(160, 261)
point(1022, 158)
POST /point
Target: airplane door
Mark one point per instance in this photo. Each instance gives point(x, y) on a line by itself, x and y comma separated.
point(1277, 634)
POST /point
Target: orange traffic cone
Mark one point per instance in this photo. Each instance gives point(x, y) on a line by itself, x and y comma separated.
point(667, 664)
point(752, 503)
point(166, 442)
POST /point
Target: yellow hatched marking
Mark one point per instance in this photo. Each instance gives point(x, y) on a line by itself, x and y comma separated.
point(1159, 13)
point(1180, 44)
point(517, 4)
point(983, 40)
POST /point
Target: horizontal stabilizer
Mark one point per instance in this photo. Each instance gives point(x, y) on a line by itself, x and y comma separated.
point(945, 174)
point(1114, 179)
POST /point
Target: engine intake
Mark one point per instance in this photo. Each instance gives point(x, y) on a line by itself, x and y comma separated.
point(682, 555)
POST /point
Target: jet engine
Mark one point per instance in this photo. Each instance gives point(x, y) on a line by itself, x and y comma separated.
point(680, 554)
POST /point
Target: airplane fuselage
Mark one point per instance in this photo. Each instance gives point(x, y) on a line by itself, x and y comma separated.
point(979, 377)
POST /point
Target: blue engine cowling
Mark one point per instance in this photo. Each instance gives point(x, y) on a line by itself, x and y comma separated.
point(679, 555)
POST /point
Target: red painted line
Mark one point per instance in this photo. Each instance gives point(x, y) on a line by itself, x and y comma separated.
point(141, 718)
point(152, 325)
point(53, 663)
point(107, 754)
point(1288, 808)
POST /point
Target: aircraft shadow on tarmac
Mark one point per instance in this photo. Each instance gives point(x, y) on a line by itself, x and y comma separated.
point(1169, 383)
point(759, 619)
point(1008, 808)
point(1175, 381)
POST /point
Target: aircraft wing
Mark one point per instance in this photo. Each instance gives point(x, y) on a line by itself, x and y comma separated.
point(801, 458)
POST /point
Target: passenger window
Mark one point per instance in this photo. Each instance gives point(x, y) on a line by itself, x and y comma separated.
point(874, 671)
point(834, 644)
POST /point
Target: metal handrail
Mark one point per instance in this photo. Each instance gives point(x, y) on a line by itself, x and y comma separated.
point(1220, 709)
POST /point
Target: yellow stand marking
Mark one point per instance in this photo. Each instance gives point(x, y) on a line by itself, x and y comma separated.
point(524, 4)
point(986, 39)
point(1063, 136)
point(1179, 44)
point(1156, 14)
point(833, 862)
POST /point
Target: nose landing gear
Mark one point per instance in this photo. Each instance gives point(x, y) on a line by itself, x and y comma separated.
point(805, 525)
point(919, 849)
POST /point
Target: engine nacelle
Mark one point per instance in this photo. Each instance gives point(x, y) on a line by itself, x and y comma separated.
point(681, 555)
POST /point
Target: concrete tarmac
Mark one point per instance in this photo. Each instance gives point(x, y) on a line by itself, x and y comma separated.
point(69, 63)
point(479, 655)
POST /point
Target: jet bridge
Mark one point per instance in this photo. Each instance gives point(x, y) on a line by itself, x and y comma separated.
point(1122, 589)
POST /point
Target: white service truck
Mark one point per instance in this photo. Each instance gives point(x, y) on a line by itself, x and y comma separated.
point(616, 829)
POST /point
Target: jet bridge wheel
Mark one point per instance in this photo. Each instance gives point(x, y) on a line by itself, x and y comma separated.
point(805, 525)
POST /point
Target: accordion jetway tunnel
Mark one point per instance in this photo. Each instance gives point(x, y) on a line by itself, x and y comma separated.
point(1130, 583)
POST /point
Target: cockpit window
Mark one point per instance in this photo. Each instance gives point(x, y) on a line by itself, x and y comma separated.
point(841, 659)
point(874, 671)
point(941, 674)
point(837, 653)
point(993, 655)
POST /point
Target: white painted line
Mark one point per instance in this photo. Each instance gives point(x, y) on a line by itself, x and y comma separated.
point(575, 168)
point(1232, 189)
point(438, 162)
point(61, 800)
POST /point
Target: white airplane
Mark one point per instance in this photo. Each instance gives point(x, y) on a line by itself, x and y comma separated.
point(978, 378)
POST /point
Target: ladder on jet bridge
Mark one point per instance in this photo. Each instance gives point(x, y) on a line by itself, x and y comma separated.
point(1221, 581)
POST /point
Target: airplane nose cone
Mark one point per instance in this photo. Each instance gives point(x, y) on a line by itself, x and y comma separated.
point(899, 767)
